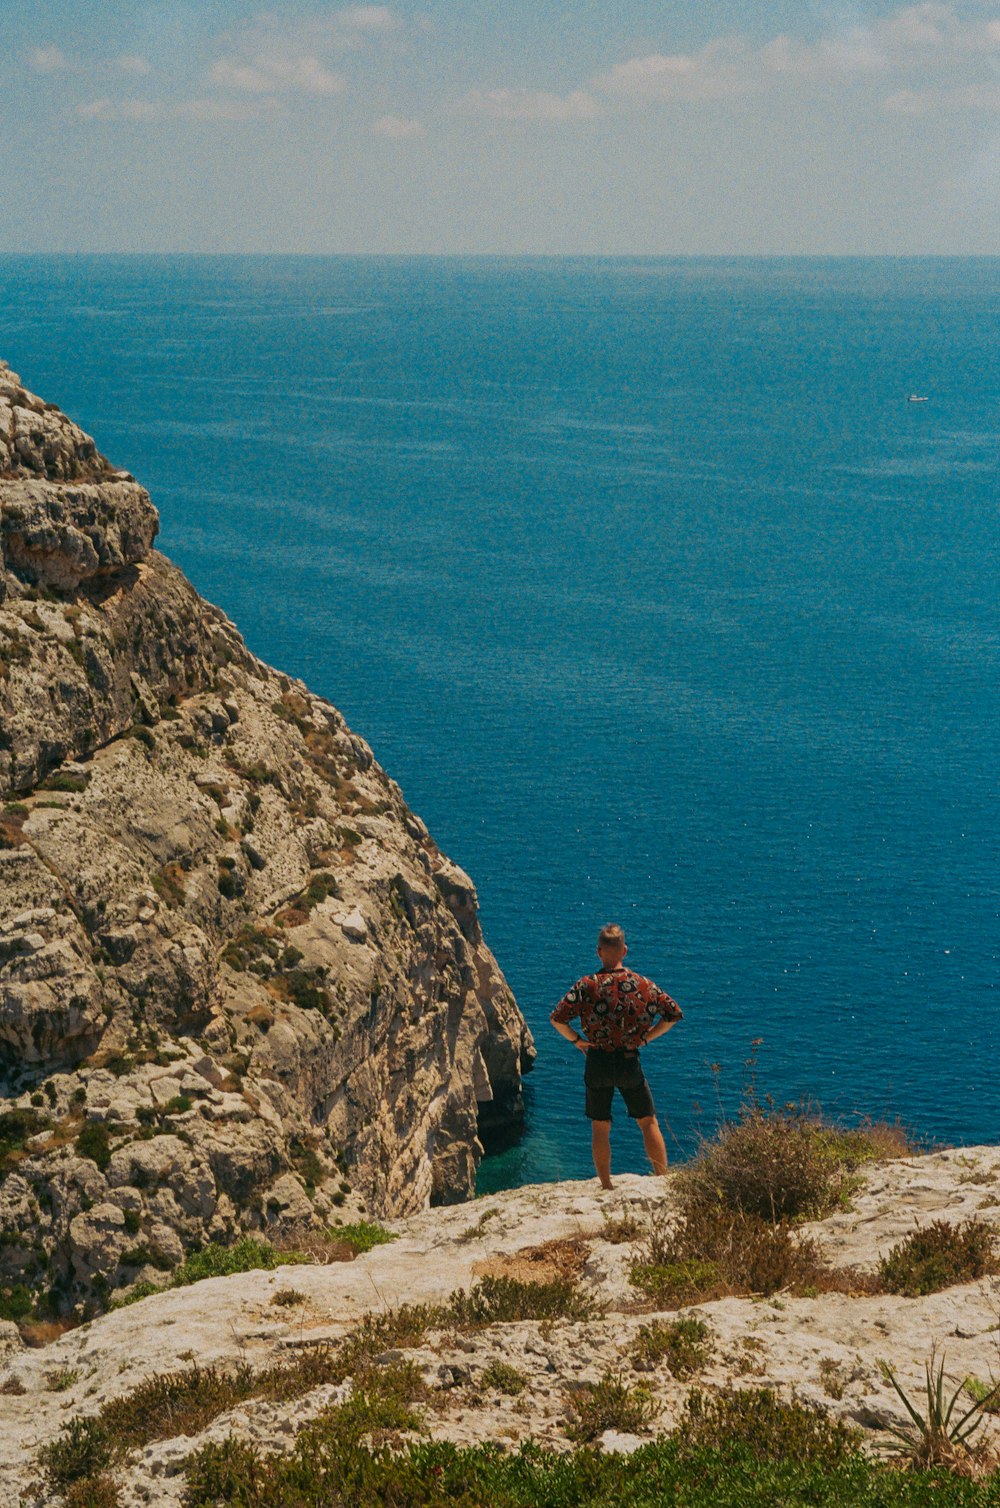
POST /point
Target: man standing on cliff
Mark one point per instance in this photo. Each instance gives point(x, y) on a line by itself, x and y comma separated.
point(619, 1012)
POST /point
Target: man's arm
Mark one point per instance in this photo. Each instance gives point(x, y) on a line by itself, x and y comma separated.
point(660, 1029)
point(669, 1013)
point(570, 1033)
point(562, 1017)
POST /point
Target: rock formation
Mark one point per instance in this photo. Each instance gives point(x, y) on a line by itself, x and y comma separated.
point(827, 1351)
point(240, 985)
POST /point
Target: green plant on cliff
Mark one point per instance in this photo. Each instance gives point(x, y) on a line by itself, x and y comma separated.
point(763, 1453)
point(939, 1436)
point(363, 1235)
point(16, 1126)
point(940, 1255)
point(95, 1143)
point(214, 1261)
point(610, 1403)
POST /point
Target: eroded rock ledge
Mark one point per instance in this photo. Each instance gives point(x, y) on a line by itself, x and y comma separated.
point(240, 985)
point(827, 1352)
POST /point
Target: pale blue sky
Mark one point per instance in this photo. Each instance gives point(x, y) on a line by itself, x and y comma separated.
point(632, 127)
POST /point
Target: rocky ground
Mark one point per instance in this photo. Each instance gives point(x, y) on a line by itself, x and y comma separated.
point(825, 1350)
point(241, 988)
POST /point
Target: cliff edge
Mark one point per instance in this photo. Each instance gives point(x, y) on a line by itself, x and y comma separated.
point(495, 1376)
point(241, 988)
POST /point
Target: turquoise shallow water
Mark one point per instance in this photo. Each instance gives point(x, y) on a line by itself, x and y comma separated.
point(652, 590)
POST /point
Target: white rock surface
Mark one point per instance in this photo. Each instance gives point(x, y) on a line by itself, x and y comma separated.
point(808, 1349)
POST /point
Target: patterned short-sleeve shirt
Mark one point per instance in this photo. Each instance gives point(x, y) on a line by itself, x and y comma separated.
point(616, 1008)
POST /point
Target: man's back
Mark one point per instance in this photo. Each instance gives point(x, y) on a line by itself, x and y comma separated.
point(617, 1008)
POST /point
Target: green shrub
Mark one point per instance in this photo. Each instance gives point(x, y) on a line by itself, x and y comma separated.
point(674, 1284)
point(231, 885)
point(93, 1492)
point(784, 1164)
point(176, 1403)
point(16, 1302)
point(611, 1403)
point(58, 782)
point(305, 991)
point(328, 1464)
point(940, 1255)
point(772, 1430)
point(94, 1142)
point(15, 1128)
point(709, 1250)
point(168, 884)
point(685, 1345)
point(401, 1328)
point(180, 1104)
point(320, 886)
point(504, 1301)
point(503, 1378)
point(287, 1298)
point(85, 1448)
point(245, 1255)
point(215, 1261)
point(145, 1256)
point(363, 1235)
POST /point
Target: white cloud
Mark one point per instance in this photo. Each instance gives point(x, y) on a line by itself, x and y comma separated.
point(915, 43)
point(368, 18)
point(190, 109)
point(716, 72)
point(531, 104)
point(855, 51)
point(918, 102)
point(302, 74)
point(122, 109)
point(48, 60)
point(399, 128)
point(135, 65)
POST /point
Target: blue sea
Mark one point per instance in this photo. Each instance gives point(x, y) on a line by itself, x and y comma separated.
point(657, 596)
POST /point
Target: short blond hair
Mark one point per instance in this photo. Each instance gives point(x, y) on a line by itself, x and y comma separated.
point(611, 936)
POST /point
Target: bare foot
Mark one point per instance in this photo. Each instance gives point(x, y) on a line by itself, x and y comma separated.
point(608, 1185)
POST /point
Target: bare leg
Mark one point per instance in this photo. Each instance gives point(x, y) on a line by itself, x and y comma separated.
point(600, 1142)
point(653, 1141)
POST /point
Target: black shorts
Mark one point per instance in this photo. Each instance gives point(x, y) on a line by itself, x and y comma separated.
point(607, 1071)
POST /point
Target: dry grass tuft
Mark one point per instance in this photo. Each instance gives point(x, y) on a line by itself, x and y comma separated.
point(553, 1261)
point(939, 1255)
point(709, 1251)
point(786, 1164)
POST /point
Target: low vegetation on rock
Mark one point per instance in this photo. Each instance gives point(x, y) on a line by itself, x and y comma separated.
point(214, 1261)
point(940, 1255)
point(733, 1228)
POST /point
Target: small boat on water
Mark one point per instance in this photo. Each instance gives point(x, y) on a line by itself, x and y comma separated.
point(916, 398)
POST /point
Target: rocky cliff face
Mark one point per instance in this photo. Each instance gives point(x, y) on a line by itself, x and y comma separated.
point(240, 985)
point(827, 1352)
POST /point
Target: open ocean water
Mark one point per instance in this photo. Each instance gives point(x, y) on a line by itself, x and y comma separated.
point(652, 590)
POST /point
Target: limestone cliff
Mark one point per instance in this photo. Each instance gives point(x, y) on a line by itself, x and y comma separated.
point(827, 1351)
point(239, 983)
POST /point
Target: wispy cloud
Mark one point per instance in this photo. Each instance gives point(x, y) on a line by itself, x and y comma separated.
point(531, 104)
point(977, 98)
point(133, 64)
point(913, 41)
point(206, 109)
point(48, 60)
point(399, 128)
point(302, 74)
point(715, 72)
point(367, 18)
